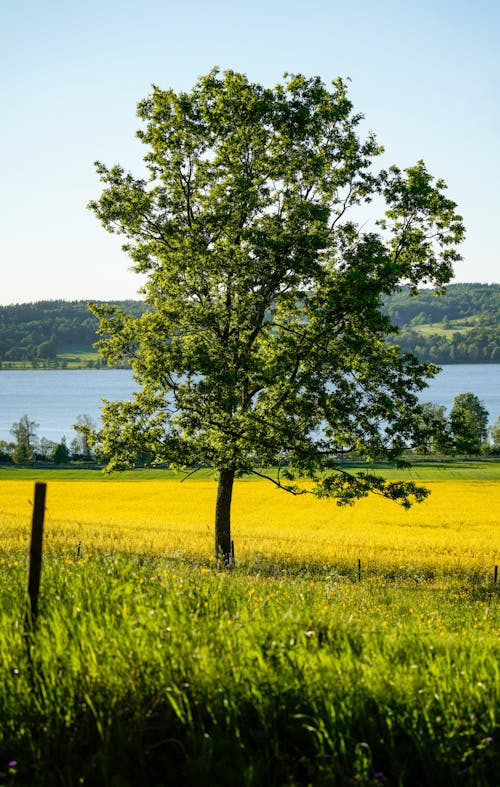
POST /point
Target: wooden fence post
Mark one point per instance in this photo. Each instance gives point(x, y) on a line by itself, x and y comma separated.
point(35, 561)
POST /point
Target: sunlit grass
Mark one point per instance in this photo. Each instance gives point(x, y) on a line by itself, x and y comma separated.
point(151, 665)
point(146, 667)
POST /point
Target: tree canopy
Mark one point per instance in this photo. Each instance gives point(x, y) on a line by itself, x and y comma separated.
point(264, 338)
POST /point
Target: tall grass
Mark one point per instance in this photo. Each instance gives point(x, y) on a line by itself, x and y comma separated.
point(150, 671)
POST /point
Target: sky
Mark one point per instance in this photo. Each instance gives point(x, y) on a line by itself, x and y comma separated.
point(424, 74)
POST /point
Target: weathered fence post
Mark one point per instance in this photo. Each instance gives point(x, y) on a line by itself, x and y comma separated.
point(35, 561)
point(495, 575)
point(359, 569)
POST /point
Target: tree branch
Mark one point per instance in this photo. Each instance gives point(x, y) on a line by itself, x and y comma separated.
point(292, 490)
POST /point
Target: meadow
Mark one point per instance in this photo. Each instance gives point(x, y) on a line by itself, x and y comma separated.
point(150, 665)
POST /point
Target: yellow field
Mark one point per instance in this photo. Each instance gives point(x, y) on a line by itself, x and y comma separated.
point(457, 527)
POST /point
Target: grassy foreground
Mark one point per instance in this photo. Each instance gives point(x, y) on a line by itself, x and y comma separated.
point(150, 666)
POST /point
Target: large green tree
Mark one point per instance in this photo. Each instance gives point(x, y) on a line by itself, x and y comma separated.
point(263, 341)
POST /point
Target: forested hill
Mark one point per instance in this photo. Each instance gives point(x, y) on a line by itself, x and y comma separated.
point(52, 333)
point(461, 326)
point(460, 301)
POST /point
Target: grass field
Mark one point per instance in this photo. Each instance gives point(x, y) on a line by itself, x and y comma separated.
point(452, 470)
point(151, 666)
point(456, 326)
point(76, 357)
point(71, 357)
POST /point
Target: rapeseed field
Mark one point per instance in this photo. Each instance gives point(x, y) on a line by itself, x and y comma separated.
point(457, 527)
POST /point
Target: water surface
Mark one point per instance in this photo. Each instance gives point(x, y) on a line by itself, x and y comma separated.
point(55, 398)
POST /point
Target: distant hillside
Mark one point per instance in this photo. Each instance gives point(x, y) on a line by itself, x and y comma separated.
point(477, 301)
point(461, 326)
point(52, 334)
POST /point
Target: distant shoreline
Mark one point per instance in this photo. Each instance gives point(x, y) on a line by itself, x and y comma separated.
point(459, 327)
point(83, 368)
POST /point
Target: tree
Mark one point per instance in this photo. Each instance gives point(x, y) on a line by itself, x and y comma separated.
point(495, 436)
point(263, 340)
point(469, 424)
point(46, 448)
point(75, 448)
point(84, 427)
point(435, 430)
point(47, 349)
point(60, 454)
point(6, 449)
point(24, 432)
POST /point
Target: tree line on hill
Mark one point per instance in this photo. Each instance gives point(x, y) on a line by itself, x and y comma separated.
point(459, 301)
point(461, 326)
point(38, 332)
point(478, 345)
point(465, 432)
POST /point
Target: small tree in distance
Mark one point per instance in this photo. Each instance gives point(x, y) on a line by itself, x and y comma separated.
point(264, 337)
point(495, 436)
point(84, 428)
point(6, 449)
point(60, 454)
point(435, 430)
point(25, 434)
point(469, 424)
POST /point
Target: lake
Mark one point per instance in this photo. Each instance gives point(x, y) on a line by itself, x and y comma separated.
point(55, 398)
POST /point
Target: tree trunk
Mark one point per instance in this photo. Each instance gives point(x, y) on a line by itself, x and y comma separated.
point(223, 548)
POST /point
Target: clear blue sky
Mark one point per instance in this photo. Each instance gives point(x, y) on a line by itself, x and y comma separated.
point(425, 75)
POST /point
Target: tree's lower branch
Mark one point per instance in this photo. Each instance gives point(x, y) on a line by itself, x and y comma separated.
point(292, 490)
